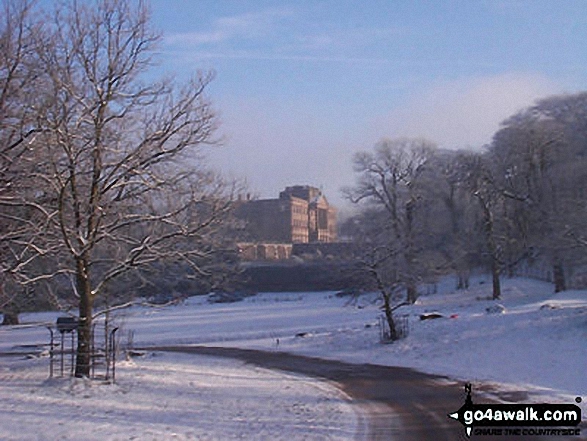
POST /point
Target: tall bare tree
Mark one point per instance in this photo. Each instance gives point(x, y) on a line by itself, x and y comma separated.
point(478, 176)
point(390, 184)
point(120, 172)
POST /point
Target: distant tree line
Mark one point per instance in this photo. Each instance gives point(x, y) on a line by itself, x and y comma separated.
point(518, 202)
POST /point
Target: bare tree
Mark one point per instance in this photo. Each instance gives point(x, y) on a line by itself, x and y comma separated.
point(390, 184)
point(20, 219)
point(566, 117)
point(453, 216)
point(478, 176)
point(540, 155)
point(119, 171)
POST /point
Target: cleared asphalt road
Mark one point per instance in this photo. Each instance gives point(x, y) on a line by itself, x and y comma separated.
point(400, 403)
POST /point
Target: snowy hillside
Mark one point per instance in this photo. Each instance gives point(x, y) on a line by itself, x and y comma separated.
point(535, 345)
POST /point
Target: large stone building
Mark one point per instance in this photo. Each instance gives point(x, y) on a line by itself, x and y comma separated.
point(301, 214)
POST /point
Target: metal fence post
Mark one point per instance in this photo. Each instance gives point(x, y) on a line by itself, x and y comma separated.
point(113, 353)
point(51, 351)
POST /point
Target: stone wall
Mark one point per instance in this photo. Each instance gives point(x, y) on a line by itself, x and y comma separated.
point(264, 251)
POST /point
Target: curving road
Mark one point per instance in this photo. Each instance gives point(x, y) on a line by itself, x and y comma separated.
point(400, 403)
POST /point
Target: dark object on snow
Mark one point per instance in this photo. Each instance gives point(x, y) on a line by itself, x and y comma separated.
point(495, 309)
point(66, 324)
point(549, 306)
point(230, 297)
point(430, 316)
point(133, 353)
point(302, 334)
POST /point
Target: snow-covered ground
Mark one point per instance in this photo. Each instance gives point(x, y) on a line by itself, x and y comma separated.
point(537, 344)
point(171, 397)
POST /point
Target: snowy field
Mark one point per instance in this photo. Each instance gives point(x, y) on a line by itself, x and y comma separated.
point(536, 345)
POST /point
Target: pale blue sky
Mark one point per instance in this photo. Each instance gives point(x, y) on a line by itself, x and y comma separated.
point(301, 85)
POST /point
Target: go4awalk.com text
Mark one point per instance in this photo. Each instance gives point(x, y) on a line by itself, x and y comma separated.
point(518, 419)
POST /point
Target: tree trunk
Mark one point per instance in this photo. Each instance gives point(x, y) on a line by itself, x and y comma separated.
point(462, 280)
point(559, 277)
point(411, 288)
point(495, 279)
point(389, 316)
point(492, 247)
point(412, 293)
point(9, 311)
point(84, 330)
